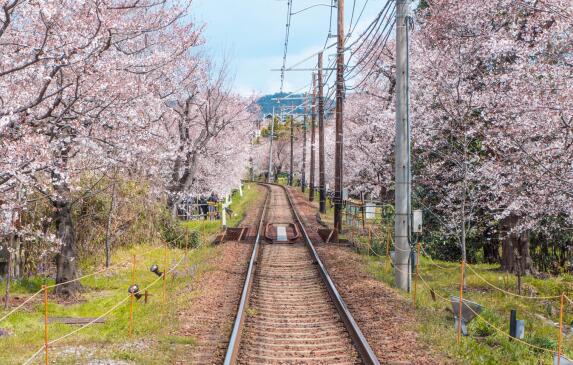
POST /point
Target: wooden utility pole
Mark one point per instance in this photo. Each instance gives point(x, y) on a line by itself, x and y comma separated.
point(303, 174)
point(338, 156)
point(291, 171)
point(322, 183)
point(312, 138)
point(402, 152)
point(271, 136)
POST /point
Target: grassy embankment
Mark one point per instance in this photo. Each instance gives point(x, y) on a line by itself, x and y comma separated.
point(151, 342)
point(485, 344)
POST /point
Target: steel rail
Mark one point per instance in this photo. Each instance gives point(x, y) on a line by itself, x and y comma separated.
point(361, 344)
point(235, 339)
point(366, 353)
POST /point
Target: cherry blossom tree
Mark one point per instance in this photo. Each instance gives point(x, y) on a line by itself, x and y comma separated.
point(76, 79)
point(491, 111)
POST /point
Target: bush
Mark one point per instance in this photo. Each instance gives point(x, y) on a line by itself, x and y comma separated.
point(480, 328)
point(543, 342)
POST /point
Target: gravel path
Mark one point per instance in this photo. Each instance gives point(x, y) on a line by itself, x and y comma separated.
point(209, 317)
point(386, 319)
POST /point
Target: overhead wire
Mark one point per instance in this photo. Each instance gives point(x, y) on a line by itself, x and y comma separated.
point(287, 34)
point(376, 42)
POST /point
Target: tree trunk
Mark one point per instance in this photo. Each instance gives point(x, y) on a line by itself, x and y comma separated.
point(491, 246)
point(108, 227)
point(491, 251)
point(515, 257)
point(66, 262)
point(8, 274)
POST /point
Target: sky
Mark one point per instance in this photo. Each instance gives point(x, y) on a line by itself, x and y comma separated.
point(250, 35)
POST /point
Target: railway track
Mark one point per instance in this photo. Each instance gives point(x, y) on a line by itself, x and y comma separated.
point(290, 311)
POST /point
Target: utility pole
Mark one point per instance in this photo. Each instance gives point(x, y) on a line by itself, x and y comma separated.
point(303, 175)
point(322, 183)
point(312, 138)
point(290, 175)
point(338, 156)
point(270, 173)
point(402, 218)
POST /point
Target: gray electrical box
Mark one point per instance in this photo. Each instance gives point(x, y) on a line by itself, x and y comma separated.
point(417, 221)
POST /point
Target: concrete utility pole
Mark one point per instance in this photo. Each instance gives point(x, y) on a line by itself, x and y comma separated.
point(271, 136)
point(290, 175)
point(322, 183)
point(402, 153)
point(312, 138)
point(303, 174)
point(338, 156)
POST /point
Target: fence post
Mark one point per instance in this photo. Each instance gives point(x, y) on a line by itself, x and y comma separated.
point(560, 338)
point(370, 238)
point(387, 239)
point(130, 327)
point(164, 274)
point(417, 275)
point(45, 322)
point(187, 246)
point(459, 337)
point(203, 240)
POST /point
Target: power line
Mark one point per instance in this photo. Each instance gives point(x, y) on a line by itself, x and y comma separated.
point(367, 34)
point(374, 41)
point(287, 33)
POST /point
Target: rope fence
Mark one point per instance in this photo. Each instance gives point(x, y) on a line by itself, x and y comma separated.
point(382, 238)
point(101, 271)
point(47, 343)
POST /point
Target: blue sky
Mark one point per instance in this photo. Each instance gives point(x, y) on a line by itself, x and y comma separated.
point(250, 35)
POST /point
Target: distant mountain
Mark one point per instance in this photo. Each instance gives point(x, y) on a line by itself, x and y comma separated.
point(267, 102)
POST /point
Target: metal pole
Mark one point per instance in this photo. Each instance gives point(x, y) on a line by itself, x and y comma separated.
point(322, 183)
point(291, 171)
point(402, 152)
point(338, 167)
point(303, 175)
point(271, 136)
point(312, 139)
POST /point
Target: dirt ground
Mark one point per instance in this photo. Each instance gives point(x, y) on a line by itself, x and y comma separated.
point(210, 315)
point(386, 319)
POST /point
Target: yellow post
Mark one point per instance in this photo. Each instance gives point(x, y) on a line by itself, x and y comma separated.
point(560, 338)
point(131, 299)
point(164, 274)
point(459, 337)
point(417, 274)
point(45, 322)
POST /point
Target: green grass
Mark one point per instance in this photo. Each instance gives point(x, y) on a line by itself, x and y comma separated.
point(239, 206)
point(101, 292)
point(153, 341)
point(485, 345)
